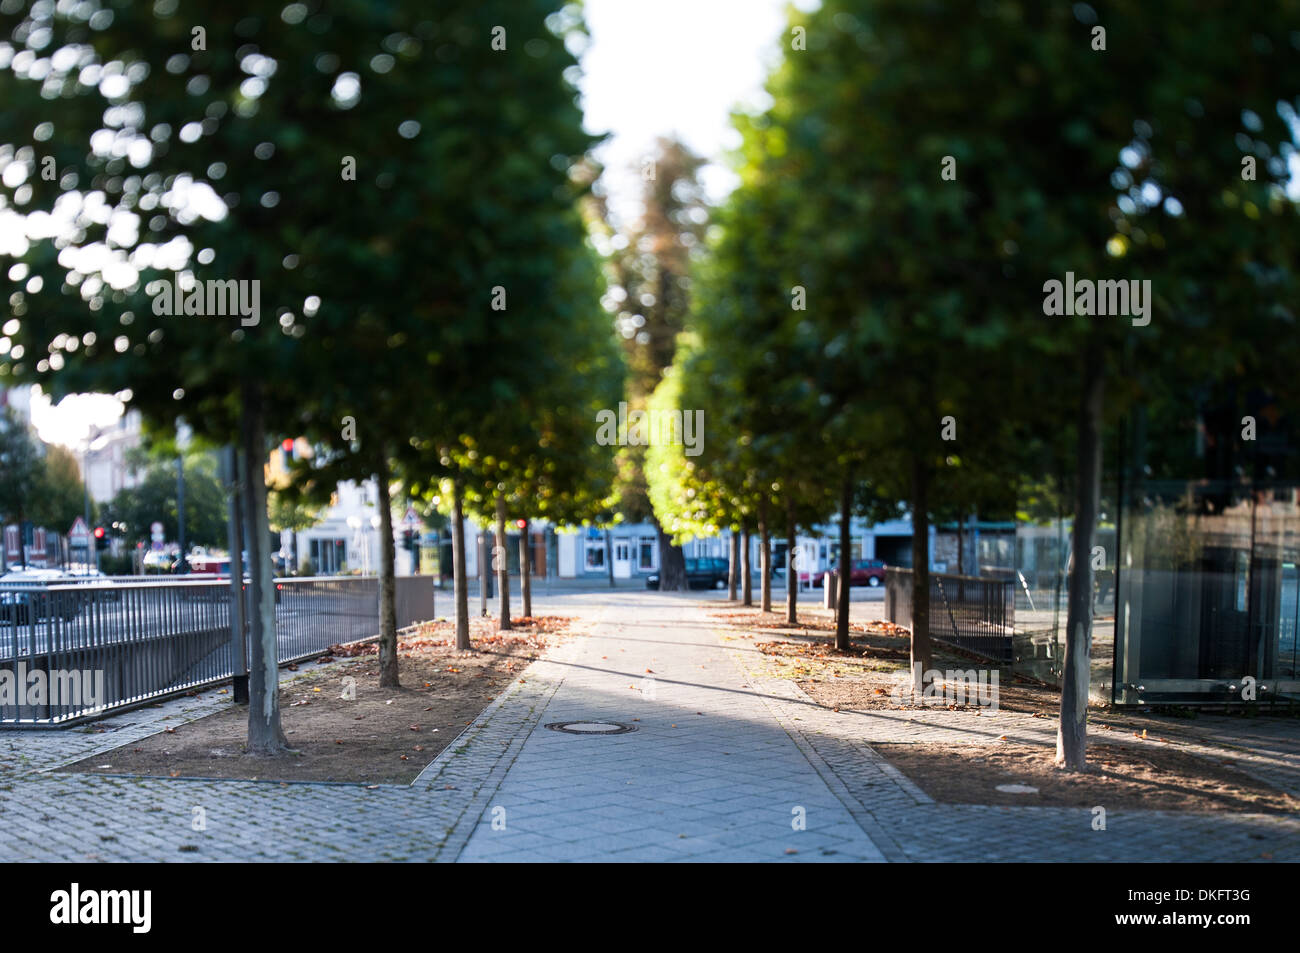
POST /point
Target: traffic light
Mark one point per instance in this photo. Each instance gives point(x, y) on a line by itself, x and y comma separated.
point(408, 540)
point(286, 447)
point(101, 538)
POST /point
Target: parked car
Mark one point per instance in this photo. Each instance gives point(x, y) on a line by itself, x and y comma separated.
point(708, 572)
point(864, 572)
point(207, 563)
point(159, 561)
point(24, 598)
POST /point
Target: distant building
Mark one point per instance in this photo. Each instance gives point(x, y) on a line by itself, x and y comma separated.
point(634, 548)
point(347, 539)
point(104, 462)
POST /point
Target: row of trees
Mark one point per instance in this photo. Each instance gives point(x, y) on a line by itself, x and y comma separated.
point(874, 321)
point(403, 190)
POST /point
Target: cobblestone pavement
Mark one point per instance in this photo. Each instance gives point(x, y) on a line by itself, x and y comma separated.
point(722, 766)
point(708, 774)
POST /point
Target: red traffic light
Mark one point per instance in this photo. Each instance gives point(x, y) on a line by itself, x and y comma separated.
point(99, 532)
point(287, 445)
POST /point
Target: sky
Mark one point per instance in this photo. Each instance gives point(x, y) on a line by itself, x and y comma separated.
point(651, 69)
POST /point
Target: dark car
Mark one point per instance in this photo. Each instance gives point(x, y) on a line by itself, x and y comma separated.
point(708, 572)
point(865, 572)
point(25, 599)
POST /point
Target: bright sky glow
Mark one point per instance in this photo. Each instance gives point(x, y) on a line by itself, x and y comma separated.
point(675, 67)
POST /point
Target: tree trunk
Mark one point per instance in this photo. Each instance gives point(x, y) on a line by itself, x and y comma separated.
point(501, 564)
point(388, 676)
point(746, 574)
point(525, 571)
point(845, 581)
point(460, 582)
point(672, 564)
point(733, 570)
point(791, 566)
point(921, 651)
point(764, 559)
point(1072, 731)
point(265, 736)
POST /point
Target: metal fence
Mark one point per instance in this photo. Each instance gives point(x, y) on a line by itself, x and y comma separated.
point(73, 651)
point(974, 613)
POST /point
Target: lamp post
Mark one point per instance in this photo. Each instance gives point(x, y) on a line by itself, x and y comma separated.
point(183, 434)
point(355, 523)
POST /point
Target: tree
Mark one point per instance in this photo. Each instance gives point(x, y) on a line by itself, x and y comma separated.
point(21, 469)
point(263, 144)
point(651, 281)
point(61, 497)
point(154, 499)
point(927, 231)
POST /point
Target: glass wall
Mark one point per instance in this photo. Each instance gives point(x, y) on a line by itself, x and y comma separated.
point(1041, 565)
point(1208, 602)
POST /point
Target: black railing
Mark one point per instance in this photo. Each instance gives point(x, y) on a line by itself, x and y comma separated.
point(974, 613)
point(72, 651)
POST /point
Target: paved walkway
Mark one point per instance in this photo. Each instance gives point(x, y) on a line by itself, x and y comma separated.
point(722, 766)
point(708, 774)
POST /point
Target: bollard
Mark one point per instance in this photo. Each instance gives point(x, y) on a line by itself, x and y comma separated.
point(829, 590)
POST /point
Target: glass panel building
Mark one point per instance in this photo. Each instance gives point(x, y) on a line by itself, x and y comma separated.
point(1197, 594)
point(1208, 593)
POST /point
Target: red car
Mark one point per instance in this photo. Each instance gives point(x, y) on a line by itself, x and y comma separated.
point(865, 572)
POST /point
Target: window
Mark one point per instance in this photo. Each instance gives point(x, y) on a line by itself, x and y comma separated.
point(647, 553)
point(328, 556)
point(595, 555)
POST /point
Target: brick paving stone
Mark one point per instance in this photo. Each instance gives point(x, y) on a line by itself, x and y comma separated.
point(720, 755)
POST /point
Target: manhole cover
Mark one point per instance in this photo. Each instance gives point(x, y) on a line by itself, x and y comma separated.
point(591, 727)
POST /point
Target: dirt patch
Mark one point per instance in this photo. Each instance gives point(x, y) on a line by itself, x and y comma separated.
point(757, 619)
point(380, 736)
point(1122, 777)
point(879, 690)
point(870, 675)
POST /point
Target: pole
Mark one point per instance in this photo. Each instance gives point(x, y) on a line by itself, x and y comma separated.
point(235, 537)
point(483, 575)
point(181, 564)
